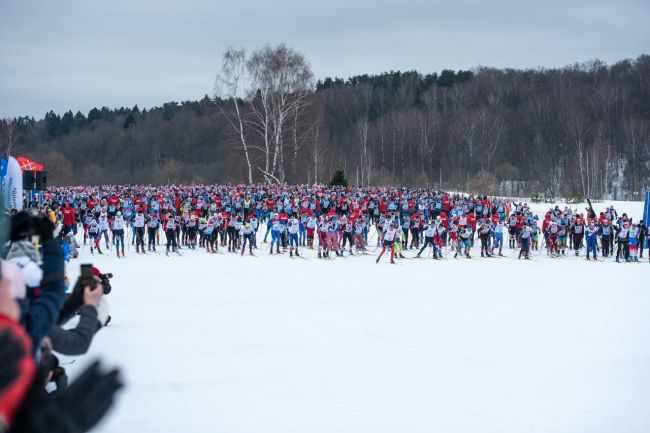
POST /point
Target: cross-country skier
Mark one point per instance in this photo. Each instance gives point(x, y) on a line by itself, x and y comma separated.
point(170, 234)
point(138, 226)
point(591, 233)
point(633, 237)
point(484, 232)
point(498, 228)
point(118, 232)
point(247, 233)
point(388, 240)
point(623, 242)
point(464, 240)
point(152, 231)
point(524, 237)
point(293, 227)
point(429, 232)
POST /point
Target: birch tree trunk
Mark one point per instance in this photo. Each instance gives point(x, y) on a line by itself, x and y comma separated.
point(228, 85)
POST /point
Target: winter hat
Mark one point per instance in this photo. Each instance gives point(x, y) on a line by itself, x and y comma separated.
point(16, 288)
point(24, 256)
point(21, 226)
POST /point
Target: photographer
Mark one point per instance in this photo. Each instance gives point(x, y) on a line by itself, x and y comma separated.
point(40, 312)
point(77, 341)
point(17, 367)
point(25, 406)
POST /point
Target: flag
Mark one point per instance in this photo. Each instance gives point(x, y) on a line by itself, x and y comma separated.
point(646, 209)
point(28, 164)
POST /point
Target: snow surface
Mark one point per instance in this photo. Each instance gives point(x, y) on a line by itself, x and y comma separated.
point(221, 343)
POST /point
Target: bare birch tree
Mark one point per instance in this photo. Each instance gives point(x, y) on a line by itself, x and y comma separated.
point(576, 132)
point(281, 85)
point(12, 134)
point(228, 86)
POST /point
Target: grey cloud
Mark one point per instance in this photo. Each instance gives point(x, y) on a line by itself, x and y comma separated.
point(79, 54)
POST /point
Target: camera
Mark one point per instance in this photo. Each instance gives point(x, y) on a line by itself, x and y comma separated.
point(76, 298)
point(106, 284)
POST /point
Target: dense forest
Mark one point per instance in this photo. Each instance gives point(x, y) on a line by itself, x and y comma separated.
point(578, 131)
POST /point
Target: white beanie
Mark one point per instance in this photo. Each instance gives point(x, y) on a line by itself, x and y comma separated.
point(17, 284)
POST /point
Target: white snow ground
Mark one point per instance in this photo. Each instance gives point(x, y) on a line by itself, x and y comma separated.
point(221, 343)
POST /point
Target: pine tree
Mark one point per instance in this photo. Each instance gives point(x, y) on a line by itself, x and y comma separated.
point(339, 179)
point(128, 121)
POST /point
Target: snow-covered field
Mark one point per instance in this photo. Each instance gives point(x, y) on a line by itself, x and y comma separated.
point(222, 343)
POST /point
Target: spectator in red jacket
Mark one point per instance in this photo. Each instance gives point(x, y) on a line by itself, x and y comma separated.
point(69, 219)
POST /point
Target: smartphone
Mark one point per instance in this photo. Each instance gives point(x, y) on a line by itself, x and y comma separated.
point(87, 276)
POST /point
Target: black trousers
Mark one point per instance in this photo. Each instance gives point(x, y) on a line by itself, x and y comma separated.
point(139, 237)
point(151, 235)
point(428, 241)
point(623, 247)
point(171, 239)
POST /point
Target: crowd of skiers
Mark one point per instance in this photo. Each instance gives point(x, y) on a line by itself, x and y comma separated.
point(42, 315)
point(36, 300)
point(331, 220)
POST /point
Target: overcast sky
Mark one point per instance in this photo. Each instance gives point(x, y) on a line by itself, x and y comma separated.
point(76, 55)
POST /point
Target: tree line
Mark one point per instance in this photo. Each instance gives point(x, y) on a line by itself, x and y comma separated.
point(578, 131)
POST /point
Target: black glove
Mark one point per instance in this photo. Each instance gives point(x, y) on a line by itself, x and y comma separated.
point(90, 396)
point(11, 352)
point(75, 409)
point(60, 378)
point(75, 300)
point(44, 228)
point(72, 303)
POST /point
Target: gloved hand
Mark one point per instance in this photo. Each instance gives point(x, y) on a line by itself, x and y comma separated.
point(75, 409)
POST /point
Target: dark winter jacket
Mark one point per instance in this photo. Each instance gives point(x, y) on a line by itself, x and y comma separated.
point(38, 315)
point(75, 341)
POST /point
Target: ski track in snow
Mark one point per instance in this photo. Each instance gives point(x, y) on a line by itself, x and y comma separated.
point(223, 343)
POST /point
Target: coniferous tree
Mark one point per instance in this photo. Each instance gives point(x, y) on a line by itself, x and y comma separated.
point(338, 179)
